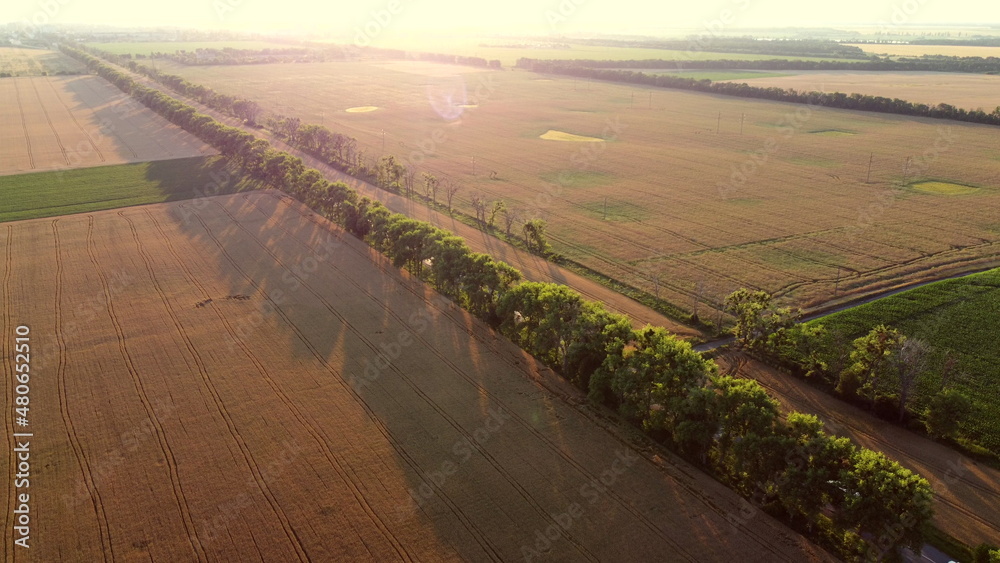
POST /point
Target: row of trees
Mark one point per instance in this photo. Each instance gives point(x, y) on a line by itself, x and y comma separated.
point(342, 152)
point(884, 368)
point(653, 379)
point(927, 63)
point(720, 44)
point(840, 100)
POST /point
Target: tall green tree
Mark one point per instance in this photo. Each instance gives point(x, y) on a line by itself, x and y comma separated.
point(870, 363)
point(886, 502)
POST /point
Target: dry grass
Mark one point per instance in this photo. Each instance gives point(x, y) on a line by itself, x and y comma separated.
point(49, 123)
point(195, 396)
point(37, 62)
point(675, 224)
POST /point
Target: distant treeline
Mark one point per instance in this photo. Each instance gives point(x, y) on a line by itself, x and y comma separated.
point(863, 503)
point(931, 63)
point(748, 45)
point(976, 42)
point(861, 102)
point(316, 54)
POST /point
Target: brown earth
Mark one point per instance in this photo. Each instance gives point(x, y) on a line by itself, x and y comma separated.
point(49, 123)
point(232, 378)
point(966, 493)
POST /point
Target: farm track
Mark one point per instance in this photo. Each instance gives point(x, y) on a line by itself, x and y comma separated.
point(206, 379)
point(490, 342)
point(374, 350)
point(24, 125)
point(90, 140)
point(71, 432)
point(307, 422)
point(180, 500)
point(484, 543)
point(48, 119)
point(967, 494)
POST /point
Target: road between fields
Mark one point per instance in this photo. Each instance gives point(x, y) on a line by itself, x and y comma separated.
point(533, 267)
point(966, 493)
point(902, 445)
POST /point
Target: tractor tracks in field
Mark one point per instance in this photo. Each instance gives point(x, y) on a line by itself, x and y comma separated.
point(87, 473)
point(8, 392)
point(220, 406)
point(48, 119)
point(487, 341)
point(445, 415)
point(73, 116)
point(490, 549)
point(24, 124)
point(174, 476)
point(307, 422)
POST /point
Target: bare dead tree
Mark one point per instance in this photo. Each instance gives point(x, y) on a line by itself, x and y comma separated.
point(511, 217)
point(450, 189)
point(479, 205)
point(409, 177)
point(911, 365)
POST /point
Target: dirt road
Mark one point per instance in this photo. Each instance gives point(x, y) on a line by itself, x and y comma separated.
point(966, 493)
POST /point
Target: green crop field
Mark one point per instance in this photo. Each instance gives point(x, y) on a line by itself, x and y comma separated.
point(49, 194)
point(961, 315)
point(688, 196)
point(145, 48)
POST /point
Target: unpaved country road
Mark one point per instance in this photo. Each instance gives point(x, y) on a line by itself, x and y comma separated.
point(533, 267)
point(966, 493)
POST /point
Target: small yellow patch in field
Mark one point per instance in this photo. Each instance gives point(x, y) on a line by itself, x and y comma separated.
point(832, 132)
point(466, 105)
point(944, 188)
point(553, 135)
point(361, 109)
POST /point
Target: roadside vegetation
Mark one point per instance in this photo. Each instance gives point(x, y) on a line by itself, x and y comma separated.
point(926, 358)
point(855, 501)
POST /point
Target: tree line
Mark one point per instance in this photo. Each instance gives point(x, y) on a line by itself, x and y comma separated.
point(749, 45)
point(927, 63)
point(788, 466)
point(311, 54)
point(861, 102)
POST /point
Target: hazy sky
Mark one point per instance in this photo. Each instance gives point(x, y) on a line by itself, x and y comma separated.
point(527, 16)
